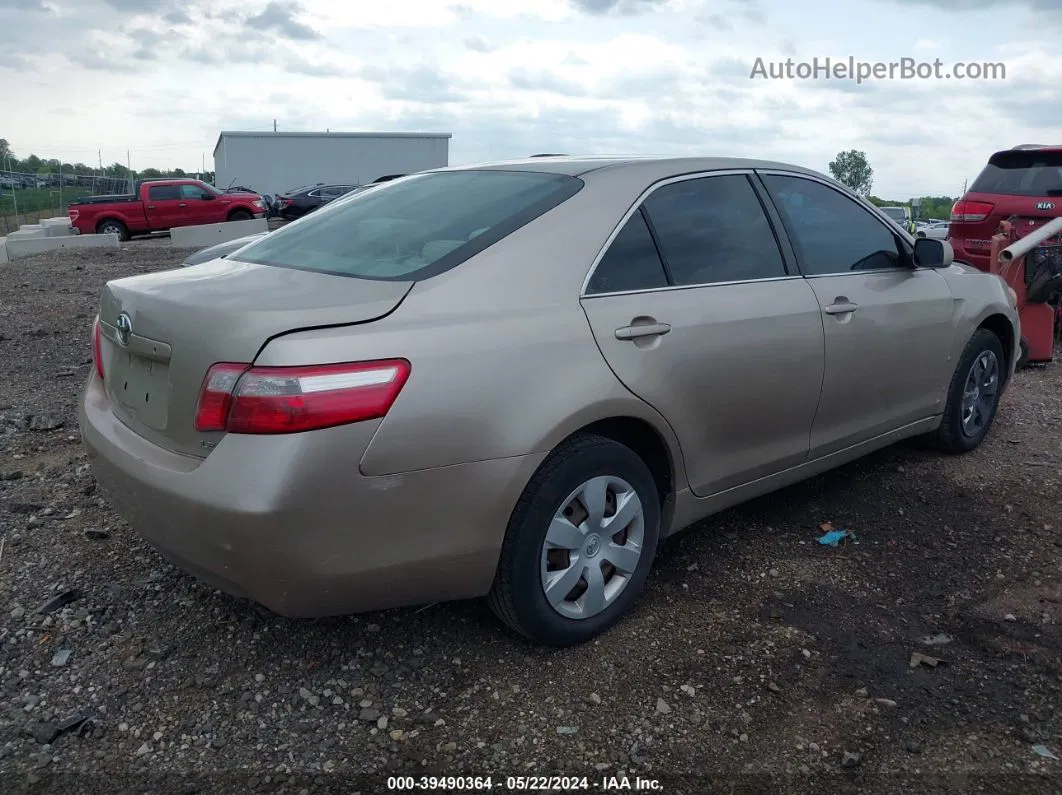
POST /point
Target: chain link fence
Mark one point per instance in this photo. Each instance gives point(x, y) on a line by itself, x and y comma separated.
point(27, 198)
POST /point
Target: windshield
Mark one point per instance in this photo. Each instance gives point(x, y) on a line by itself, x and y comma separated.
point(895, 213)
point(1022, 173)
point(415, 227)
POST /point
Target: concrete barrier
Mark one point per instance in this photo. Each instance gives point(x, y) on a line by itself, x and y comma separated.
point(26, 247)
point(3, 250)
point(56, 227)
point(28, 232)
point(211, 234)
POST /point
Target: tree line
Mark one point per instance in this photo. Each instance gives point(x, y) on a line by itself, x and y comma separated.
point(46, 167)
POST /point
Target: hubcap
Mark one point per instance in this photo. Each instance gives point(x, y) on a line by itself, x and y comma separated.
point(980, 394)
point(593, 547)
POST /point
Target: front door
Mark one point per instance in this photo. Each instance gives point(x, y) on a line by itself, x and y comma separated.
point(201, 206)
point(889, 325)
point(694, 310)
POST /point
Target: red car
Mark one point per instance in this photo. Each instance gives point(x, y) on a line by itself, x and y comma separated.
point(159, 205)
point(1024, 183)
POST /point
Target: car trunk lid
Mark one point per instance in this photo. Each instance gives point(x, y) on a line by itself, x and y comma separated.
point(161, 332)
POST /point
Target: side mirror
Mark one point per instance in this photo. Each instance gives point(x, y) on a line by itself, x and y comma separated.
point(932, 253)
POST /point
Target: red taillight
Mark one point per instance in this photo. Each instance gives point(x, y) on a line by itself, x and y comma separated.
point(287, 202)
point(97, 356)
point(239, 398)
point(970, 212)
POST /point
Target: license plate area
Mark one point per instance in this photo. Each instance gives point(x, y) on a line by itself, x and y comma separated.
point(141, 388)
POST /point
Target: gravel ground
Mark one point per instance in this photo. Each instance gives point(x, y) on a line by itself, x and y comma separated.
point(757, 661)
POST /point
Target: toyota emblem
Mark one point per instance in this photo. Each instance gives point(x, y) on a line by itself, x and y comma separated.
point(123, 327)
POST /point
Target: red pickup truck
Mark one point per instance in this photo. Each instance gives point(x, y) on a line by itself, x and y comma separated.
point(163, 204)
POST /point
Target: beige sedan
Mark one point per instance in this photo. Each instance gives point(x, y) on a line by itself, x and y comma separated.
point(512, 380)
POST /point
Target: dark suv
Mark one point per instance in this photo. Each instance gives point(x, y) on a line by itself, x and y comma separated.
point(1023, 183)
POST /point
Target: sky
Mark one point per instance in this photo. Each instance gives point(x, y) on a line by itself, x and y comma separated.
point(84, 79)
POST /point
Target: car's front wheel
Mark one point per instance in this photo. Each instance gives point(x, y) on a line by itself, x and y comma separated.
point(973, 395)
point(579, 544)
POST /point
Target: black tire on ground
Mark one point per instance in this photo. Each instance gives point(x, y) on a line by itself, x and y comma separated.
point(1023, 353)
point(517, 596)
point(240, 215)
point(951, 437)
point(111, 226)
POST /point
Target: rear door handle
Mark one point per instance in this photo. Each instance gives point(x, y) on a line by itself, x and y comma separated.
point(637, 332)
point(841, 306)
point(182, 204)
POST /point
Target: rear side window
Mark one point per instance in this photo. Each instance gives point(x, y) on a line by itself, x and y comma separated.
point(1021, 173)
point(714, 229)
point(631, 262)
point(159, 193)
point(416, 227)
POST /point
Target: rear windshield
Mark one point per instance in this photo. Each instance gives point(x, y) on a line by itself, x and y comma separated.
point(415, 227)
point(895, 213)
point(1022, 173)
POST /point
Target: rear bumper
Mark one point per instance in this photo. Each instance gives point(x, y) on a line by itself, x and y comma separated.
point(289, 522)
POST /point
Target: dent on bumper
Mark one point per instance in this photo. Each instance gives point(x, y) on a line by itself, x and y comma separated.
point(289, 522)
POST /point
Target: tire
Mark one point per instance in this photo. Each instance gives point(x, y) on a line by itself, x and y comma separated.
point(518, 596)
point(953, 435)
point(240, 215)
point(111, 226)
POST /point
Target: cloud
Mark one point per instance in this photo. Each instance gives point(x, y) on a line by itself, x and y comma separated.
point(425, 83)
point(479, 44)
point(545, 80)
point(25, 5)
point(279, 17)
point(623, 7)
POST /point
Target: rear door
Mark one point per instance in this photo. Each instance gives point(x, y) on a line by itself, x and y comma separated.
point(164, 207)
point(695, 311)
point(889, 326)
point(1024, 184)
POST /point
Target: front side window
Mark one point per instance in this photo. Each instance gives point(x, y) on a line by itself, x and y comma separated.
point(194, 192)
point(414, 228)
point(831, 233)
point(714, 229)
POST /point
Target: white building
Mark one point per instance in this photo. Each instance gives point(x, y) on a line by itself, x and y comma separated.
point(274, 162)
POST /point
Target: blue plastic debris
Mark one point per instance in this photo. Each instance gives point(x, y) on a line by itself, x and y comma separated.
point(834, 537)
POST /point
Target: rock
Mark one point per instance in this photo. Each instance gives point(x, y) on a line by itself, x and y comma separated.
point(96, 534)
point(369, 714)
point(594, 698)
point(917, 658)
point(309, 697)
point(912, 747)
point(850, 760)
point(662, 706)
point(862, 693)
point(397, 734)
point(567, 729)
point(398, 712)
point(689, 690)
point(1010, 617)
point(143, 750)
point(774, 688)
point(44, 422)
point(43, 732)
point(885, 702)
point(18, 612)
point(381, 724)
point(61, 658)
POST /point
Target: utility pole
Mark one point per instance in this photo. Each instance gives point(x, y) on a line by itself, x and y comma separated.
point(274, 125)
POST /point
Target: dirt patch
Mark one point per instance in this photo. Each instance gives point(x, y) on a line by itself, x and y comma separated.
point(757, 661)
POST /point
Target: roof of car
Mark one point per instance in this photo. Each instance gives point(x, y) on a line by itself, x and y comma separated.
point(578, 165)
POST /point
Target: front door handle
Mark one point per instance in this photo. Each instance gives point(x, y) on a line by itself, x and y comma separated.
point(637, 332)
point(182, 204)
point(841, 306)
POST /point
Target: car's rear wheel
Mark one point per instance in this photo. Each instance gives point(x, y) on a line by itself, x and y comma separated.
point(973, 395)
point(579, 544)
point(112, 227)
point(240, 215)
